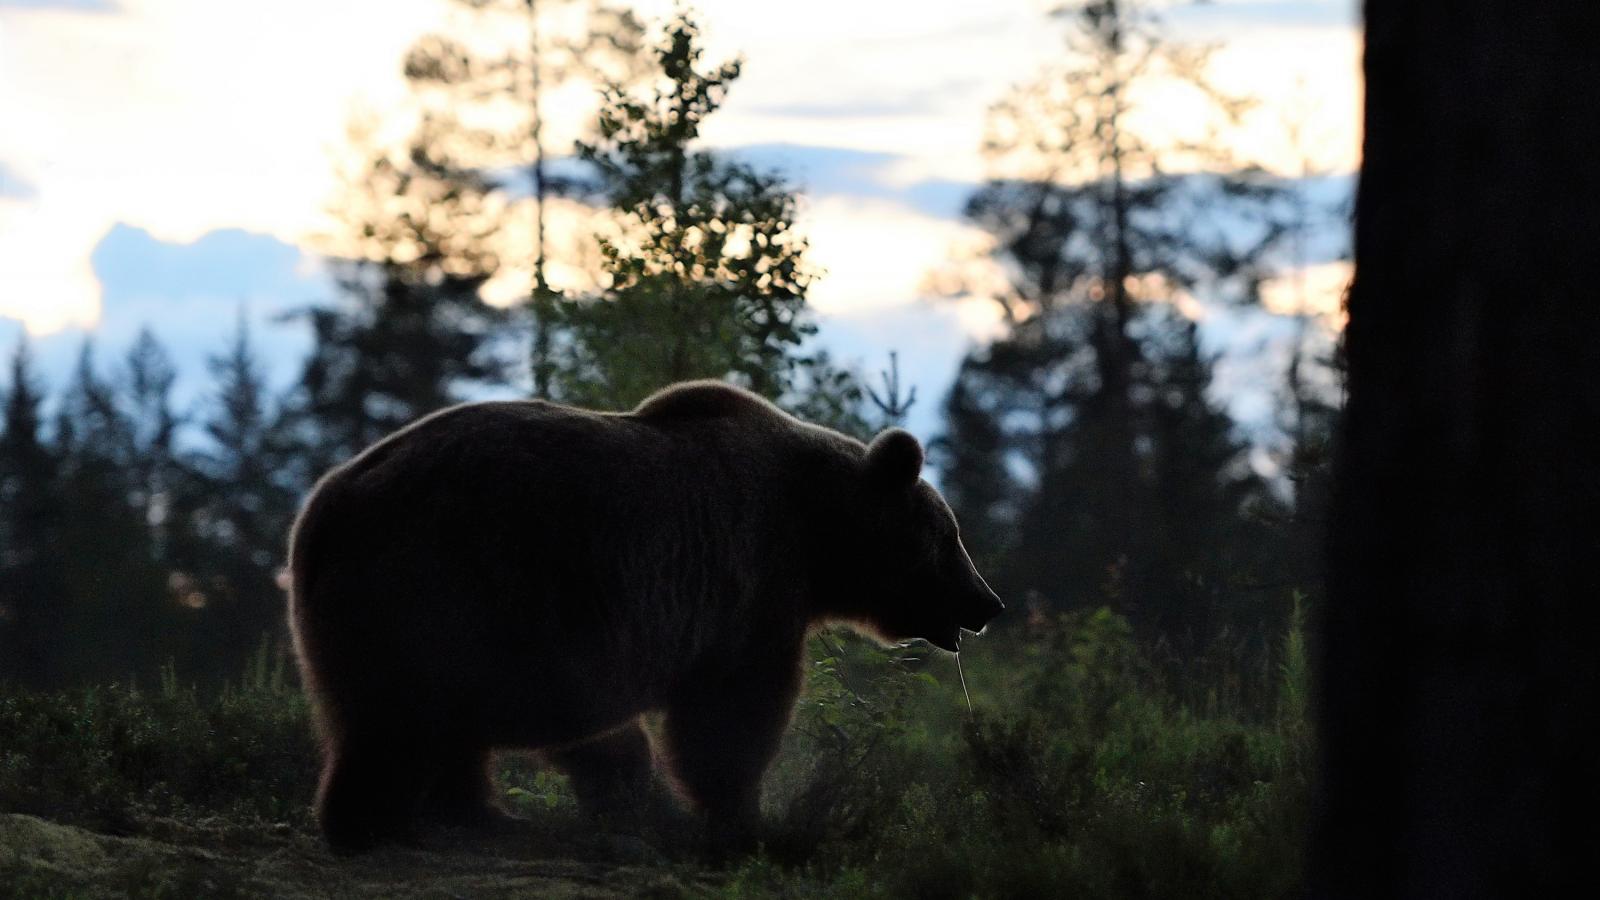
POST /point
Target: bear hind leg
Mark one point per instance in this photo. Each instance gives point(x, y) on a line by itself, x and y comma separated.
point(368, 796)
point(461, 791)
point(610, 774)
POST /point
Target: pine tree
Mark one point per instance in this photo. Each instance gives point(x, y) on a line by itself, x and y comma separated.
point(707, 275)
point(971, 456)
point(893, 403)
point(410, 332)
point(32, 588)
point(151, 430)
point(118, 606)
point(243, 508)
point(1308, 413)
point(1091, 423)
point(1215, 532)
point(485, 94)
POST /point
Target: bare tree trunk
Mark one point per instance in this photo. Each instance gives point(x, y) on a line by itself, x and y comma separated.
point(1459, 660)
point(539, 295)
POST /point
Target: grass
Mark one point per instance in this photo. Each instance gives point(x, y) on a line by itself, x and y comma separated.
point(1084, 769)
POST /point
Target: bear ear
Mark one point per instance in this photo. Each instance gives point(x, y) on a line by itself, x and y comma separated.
point(894, 458)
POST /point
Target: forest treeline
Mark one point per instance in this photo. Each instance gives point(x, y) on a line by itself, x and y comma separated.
point(1084, 449)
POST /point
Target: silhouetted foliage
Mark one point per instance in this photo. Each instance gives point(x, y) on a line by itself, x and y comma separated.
point(116, 603)
point(466, 85)
point(410, 332)
point(1087, 438)
point(243, 501)
point(706, 274)
point(32, 581)
point(110, 539)
point(152, 430)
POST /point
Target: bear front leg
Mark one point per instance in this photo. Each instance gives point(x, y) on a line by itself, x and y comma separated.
point(722, 732)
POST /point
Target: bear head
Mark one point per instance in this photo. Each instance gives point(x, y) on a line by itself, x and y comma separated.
point(913, 577)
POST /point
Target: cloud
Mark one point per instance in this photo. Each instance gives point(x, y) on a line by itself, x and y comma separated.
point(179, 116)
point(825, 172)
point(817, 171)
point(865, 109)
point(875, 254)
point(13, 187)
point(131, 262)
point(191, 294)
point(83, 6)
point(920, 101)
point(866, 182)
point(211, 131)
point(1231, 15)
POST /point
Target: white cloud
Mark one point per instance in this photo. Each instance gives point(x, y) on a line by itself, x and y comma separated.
point(44, 258)
point(180, 116)
point(876, 253)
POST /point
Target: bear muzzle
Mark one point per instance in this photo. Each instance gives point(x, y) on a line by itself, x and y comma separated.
point(973, 613)
point(981, 609)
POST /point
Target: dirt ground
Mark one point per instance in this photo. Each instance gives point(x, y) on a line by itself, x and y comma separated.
point(163, 858)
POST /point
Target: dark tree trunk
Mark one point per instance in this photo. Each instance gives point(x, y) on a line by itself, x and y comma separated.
point(1460, 645)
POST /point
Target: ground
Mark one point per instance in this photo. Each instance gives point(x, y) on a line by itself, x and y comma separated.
point(213, 859)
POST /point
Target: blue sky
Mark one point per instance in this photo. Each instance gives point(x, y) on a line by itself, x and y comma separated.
point(161, 166)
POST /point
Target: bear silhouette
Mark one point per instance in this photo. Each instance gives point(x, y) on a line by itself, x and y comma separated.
point(530, 575)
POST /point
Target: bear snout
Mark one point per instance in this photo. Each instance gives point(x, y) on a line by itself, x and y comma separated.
point(981, 610)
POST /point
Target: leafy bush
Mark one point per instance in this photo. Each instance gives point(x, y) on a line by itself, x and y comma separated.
point(1079, 773)
point(97, 755)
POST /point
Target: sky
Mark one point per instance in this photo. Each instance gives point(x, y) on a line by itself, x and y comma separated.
point(169, 162)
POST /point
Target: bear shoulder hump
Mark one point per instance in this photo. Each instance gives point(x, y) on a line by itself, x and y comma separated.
point(703, 400)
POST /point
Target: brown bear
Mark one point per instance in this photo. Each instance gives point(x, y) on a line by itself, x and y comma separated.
point(530, 575)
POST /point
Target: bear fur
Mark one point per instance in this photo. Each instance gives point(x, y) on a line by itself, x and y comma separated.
point(530, 575)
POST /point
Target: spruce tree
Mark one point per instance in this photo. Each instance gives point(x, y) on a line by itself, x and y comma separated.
point(118, 606)
point(706, 275)
point(1089, 424)
point(243, 506)
point(32, 588)
point(484, 87)
point(971, 455)
point(155, 473)
point(410, 332)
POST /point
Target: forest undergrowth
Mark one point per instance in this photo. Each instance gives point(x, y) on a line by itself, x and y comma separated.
point(1087, 765)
